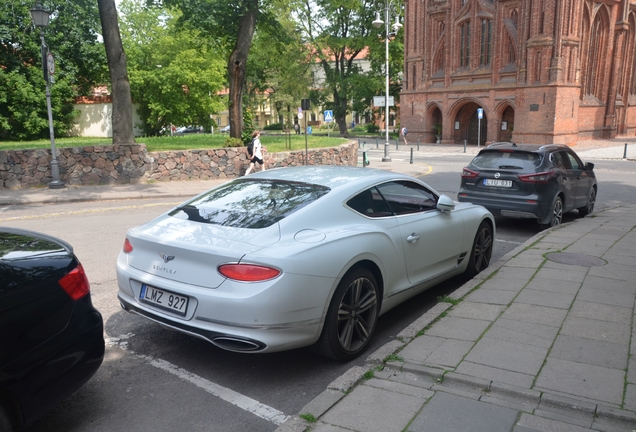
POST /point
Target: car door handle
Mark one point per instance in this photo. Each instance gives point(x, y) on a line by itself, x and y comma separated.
point(413, 238)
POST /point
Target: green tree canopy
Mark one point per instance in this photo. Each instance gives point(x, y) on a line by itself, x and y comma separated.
point(176, 75)
point(72, 36)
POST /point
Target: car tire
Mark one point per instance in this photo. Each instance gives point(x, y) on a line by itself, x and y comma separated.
point(556, 214)
point(351, 317)
point(481, 251)
point(589, 207)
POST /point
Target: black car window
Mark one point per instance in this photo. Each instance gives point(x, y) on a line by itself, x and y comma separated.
point(250, 203)
point(506, 159)
point(575, 162)
point(557, 160)
point(406, 197)
point(370, 203)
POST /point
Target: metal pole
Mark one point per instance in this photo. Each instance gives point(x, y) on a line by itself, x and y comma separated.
point(386, 157)
point(625, 152)
point(306, 145)
point(478, 133)
point(377, 143)
point(397, 143)
point(418, 144)
point(464, 146)
point(55, 169)
point(411, 155)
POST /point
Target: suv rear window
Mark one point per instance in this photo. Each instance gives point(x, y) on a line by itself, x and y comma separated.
point(250, 203)
point(497, 159)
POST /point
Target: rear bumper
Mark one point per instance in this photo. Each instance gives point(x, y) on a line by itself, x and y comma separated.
point(513, 207)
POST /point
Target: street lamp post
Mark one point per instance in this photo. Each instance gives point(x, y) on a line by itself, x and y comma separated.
point(40, 18)
point(377, 23)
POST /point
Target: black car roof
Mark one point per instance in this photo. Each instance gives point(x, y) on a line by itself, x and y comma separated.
point(536, 148)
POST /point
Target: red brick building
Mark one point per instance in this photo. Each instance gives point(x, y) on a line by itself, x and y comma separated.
point(543, 71)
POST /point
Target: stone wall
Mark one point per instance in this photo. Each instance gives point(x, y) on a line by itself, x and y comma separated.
point(121, 164)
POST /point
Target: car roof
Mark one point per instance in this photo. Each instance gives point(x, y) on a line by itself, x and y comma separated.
point(331, 176)
point(535, 148)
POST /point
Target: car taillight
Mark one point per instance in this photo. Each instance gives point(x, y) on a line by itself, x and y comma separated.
point(542, 177)
point(75, 283)
point(127, 246)
point(248, 272)
point(467, 173)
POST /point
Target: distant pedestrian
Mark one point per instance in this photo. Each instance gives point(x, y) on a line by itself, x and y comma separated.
point(403, 133)
point(255, 152)
point(297, 128)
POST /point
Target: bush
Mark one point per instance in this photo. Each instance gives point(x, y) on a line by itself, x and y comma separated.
point(372, 127)
point(234, 142)
point(274, 126)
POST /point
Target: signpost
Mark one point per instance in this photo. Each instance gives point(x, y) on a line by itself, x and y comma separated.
point(328, 119)
point(480, 115)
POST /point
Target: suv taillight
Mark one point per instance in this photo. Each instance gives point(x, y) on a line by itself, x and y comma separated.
point(75, 283)
point(543, 177)
point(467, 173)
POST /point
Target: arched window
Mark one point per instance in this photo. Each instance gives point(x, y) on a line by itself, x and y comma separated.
point(631, 57)
point(413, 75)
point(486, 42)
point(594, 59)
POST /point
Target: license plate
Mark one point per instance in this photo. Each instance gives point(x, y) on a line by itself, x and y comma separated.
point(164, 299)
point(498, 183)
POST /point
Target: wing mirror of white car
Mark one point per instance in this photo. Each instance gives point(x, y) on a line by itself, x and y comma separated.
point(445, 204)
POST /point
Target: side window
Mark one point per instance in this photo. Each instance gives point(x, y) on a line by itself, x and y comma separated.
point(406, 197)
point(575, 161)
point(370, 203)
point(557, 160)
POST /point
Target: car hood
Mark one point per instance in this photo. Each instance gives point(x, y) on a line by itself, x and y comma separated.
point(190, 252)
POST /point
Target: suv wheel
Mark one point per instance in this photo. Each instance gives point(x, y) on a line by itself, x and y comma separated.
point(556, 215)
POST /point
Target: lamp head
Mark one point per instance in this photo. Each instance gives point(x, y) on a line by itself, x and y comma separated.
point(396, 25)
point(40, 15)
point(377, 23)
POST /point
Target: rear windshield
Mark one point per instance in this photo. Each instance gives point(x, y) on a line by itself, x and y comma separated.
point(495, 159)
point(250, 203)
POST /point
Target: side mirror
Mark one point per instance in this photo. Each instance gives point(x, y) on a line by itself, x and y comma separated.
point(589, 166)
point(445, 204)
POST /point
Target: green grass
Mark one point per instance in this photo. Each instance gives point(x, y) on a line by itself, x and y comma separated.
point(274, 143)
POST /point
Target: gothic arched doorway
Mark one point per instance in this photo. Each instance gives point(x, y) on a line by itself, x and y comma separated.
point(467, 125)
point(507, 124)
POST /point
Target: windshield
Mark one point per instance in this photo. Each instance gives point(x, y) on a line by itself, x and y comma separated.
point(250, 203)
point(495, 159)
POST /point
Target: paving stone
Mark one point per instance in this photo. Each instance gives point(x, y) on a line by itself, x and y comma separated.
point(528, 333)
point(374, 410)
point(597, 330)
point(492, 296)
point(504, 284)
point(537, 423)
point(516, 273)
point(450, 353)
point(535, 314)
point(630, 397)
point(573, 274)
point(398, 387)
point(597, 295)
point(556, 286)
point(590, 351)
point(446, 412)
point(420, 348)
point(510, 356)
point(601, 312)
point(582, 380)
point(481, 311)
point(544, 298)
point(613, 285)
point(458, 328)
point(495, 374)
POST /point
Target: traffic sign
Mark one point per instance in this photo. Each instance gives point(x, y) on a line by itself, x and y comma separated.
point(300, 116)
point(379, 101)
point(328, 116)
point(480, 113)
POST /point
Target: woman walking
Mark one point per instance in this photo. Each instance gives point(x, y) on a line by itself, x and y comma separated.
point(255, 152)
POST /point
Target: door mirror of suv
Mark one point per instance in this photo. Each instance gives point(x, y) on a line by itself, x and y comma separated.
point(589, 166)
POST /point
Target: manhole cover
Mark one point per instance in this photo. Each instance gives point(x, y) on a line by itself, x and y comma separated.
point(576, 259)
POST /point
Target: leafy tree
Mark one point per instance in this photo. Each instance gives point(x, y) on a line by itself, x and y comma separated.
point(175, 73)
point(116, 57)
point(71, 36)
point(233, 24)
point(340, 32)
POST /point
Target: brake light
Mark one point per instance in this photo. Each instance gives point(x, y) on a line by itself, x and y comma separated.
point(248, 272)
point(467, 173)
point(75, 283)
point(542, 177)
point(127, 246)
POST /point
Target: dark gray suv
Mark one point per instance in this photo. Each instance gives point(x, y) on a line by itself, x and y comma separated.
point(530, 182)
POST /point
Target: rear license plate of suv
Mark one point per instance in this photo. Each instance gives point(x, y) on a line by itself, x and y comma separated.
point(163, 299)
point(498, 183)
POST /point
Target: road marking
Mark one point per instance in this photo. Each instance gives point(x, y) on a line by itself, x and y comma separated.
point(85, 211)
point(241, 401)
point(506, 241)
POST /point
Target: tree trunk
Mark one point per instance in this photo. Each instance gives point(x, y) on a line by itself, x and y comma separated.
point(122, 102)
point(237, 66)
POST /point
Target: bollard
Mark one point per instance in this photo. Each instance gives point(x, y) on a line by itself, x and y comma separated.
point(377, 145)
point(464, 146)
point(418, 144)
point(411, 155)
point(397, 143)
point(386, 157)
point(625, 152)
point(365, 159)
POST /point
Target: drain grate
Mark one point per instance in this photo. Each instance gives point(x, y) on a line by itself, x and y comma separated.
point(576, 259)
